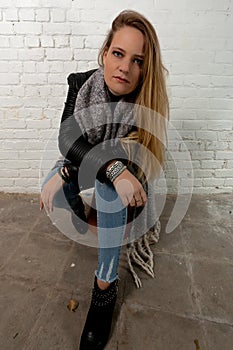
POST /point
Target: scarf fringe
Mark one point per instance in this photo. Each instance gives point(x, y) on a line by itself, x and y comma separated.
point(140, 253)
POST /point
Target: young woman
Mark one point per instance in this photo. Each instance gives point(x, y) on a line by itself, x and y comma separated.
point(131, 78)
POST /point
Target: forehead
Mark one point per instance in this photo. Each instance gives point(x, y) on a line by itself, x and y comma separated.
point(130, 40)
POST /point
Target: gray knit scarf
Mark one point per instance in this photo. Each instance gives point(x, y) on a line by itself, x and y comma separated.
point(100, 121)
point(94, 112)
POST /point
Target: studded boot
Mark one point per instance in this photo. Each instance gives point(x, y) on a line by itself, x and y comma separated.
point(99, 318)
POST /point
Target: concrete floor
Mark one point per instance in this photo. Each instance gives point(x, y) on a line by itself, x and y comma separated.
point(190, 298)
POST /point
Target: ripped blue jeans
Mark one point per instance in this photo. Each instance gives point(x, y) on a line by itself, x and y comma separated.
point(111, 224)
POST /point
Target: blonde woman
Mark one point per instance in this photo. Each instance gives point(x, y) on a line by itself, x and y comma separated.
point(131, 78)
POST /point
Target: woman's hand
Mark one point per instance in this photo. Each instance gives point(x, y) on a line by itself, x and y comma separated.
point(130, 189)
point(49, 191)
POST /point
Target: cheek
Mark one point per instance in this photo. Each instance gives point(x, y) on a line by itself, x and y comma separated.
point(137, 76)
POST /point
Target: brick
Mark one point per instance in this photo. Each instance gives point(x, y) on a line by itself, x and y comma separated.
point(202, 155)
point(25, 182)
point(25, 28)
point(34, 79)
point(73, 15)
point(211, 189)
point(26, 134)
point(57, 91)
point(17, 41)
point(73, 66)
point(193, 145)
point(5, 173)
point(230, 145)
point(10, 102)
point(15, 144)
point(11, 14)
point(222, 81)
point(55, 3)
point(59, 54)
point(217, 103)
point(176, 102)
point(46, 90)
point(56, 79)
point(4, 42)
point(29, 67)
point(86, 54)
point(229, 183)
point(9, 155)
point(34, 102)
point(27, 14)
point(58, 15)
point(28, 154)
point(213, 182)
point(14, 124)
point(42, 67)
point(4, 67)
point(39, 124)
point(88, 28)
point(6, 182)
point(6, 54)
point(187, 134)
point(56, 67)
point(218, 114)
point(55, 28)
point(32, 54)
point(213, 164)
point(77, 41)
point(206, 135)
point(224, 173)
point(224, 155)
point(42, 15)
point(225, 135)
point(7, 28)
point(222, 92)
point(32, 41)
point(216, 145)
point(46, 41)
point(202, 173)
point(219, 125)
point(194, 124)
point(27, 3)
point(61, 41)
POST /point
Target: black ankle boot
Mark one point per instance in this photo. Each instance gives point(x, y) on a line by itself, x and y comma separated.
point(99, 318)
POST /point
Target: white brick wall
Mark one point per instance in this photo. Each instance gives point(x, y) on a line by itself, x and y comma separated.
point(42, 41)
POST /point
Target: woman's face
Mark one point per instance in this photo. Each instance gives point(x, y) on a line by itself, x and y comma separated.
point(123, 61)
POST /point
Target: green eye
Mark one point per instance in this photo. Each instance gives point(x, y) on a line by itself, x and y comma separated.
point(117, 54)
point(138, 61)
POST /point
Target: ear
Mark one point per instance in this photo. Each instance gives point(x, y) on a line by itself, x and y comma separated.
point(104, 56)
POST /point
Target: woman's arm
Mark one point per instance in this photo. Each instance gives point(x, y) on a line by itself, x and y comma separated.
point(74, 146)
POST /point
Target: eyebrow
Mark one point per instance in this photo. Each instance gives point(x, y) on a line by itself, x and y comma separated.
point(119, 48)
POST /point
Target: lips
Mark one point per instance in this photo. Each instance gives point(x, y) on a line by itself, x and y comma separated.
point(121, 80)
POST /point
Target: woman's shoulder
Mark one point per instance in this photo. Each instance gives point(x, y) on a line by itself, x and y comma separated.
point(76, 80)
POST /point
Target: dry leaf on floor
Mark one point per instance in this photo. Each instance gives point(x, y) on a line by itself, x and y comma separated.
point(73, 305)
point(197, 344)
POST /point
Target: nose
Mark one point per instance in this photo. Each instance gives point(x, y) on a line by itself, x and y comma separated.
point(125, 66)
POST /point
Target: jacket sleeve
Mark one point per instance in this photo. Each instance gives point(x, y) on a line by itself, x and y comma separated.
point(73, 144)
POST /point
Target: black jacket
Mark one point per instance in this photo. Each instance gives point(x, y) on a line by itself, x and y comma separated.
point(73, 145)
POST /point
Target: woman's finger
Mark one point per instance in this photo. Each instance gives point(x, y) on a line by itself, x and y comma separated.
point(50, 203)
point(41, 204)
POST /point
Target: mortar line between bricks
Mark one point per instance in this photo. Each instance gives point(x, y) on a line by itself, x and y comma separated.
point(36, 329)
point(194, 288)
point(21, 242)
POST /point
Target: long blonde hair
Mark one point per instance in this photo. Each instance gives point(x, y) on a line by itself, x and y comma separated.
point(152, 106)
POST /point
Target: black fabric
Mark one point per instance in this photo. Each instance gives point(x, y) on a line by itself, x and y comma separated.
point(73, 144)
point(99, 318)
